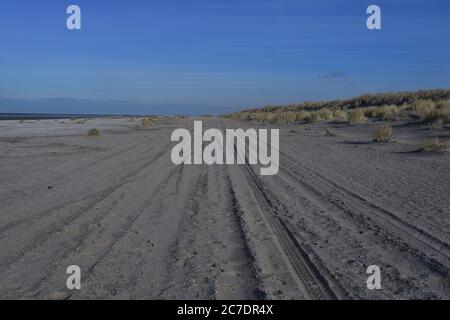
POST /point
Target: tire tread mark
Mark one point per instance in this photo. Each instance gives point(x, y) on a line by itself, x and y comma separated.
point(305, 271)
point(422, 241)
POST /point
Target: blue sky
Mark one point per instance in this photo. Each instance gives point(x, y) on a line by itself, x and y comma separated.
point(214, 56)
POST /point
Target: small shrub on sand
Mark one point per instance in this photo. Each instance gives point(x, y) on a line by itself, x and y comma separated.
point(260, 117)
point(356, 116)
point(370, 112)
point(94, 133)
point(289, 117)
point(147, 122)
point(383, 133)
point(326, 114)
point(436, 145)
point(284, 117)
point(340, 114)
point(423, 107)
point(442, 114)
point(321, 114)
point(387, 112)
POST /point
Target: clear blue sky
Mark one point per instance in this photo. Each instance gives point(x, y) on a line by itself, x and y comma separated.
point(214, 56)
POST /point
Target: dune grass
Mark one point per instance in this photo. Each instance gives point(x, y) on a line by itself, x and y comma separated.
point(340, 114)
point(383, 134)
point(147, 122)
point(356, 116)
point(428, 105)
point(436, 145)
point(94, 133)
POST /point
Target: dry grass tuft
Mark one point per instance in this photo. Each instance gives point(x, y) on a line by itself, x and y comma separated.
point(423, 107)
point(94, 133)
point(147, 122)
point(387, 112)
point(321, 114)
point(357, 116)
point(436, 145)
point(340, 114)
point(325, 114)
point(442, 114)
point(383, 133)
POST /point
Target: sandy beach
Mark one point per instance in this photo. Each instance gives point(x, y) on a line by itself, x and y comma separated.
point(141, 227)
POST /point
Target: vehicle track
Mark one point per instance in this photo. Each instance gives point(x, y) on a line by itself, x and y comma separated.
point(112, 234)
point(352, 202)
point(304, 270)
point(92, 201)
point(349, 201)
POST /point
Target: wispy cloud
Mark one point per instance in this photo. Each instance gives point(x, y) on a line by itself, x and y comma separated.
point(334, 75)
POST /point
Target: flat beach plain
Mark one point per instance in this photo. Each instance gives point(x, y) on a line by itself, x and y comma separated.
point(141, 227)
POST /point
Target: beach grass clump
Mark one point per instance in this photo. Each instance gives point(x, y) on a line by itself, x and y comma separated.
point(441, 113)
point(423, 107)
point(290, 117)
point(356, 116)
point(387, 112)
point(383, 134)
point(326, 114)
point(436, 145)
point(94, 132)
point(371, 112)
point(147, 122)
point(283, 117)
point(260, 117)
point(340, 114)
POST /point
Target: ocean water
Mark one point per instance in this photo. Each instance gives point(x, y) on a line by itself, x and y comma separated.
point(36, 116)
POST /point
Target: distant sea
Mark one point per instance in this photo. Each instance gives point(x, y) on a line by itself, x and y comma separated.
point(37, 116)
